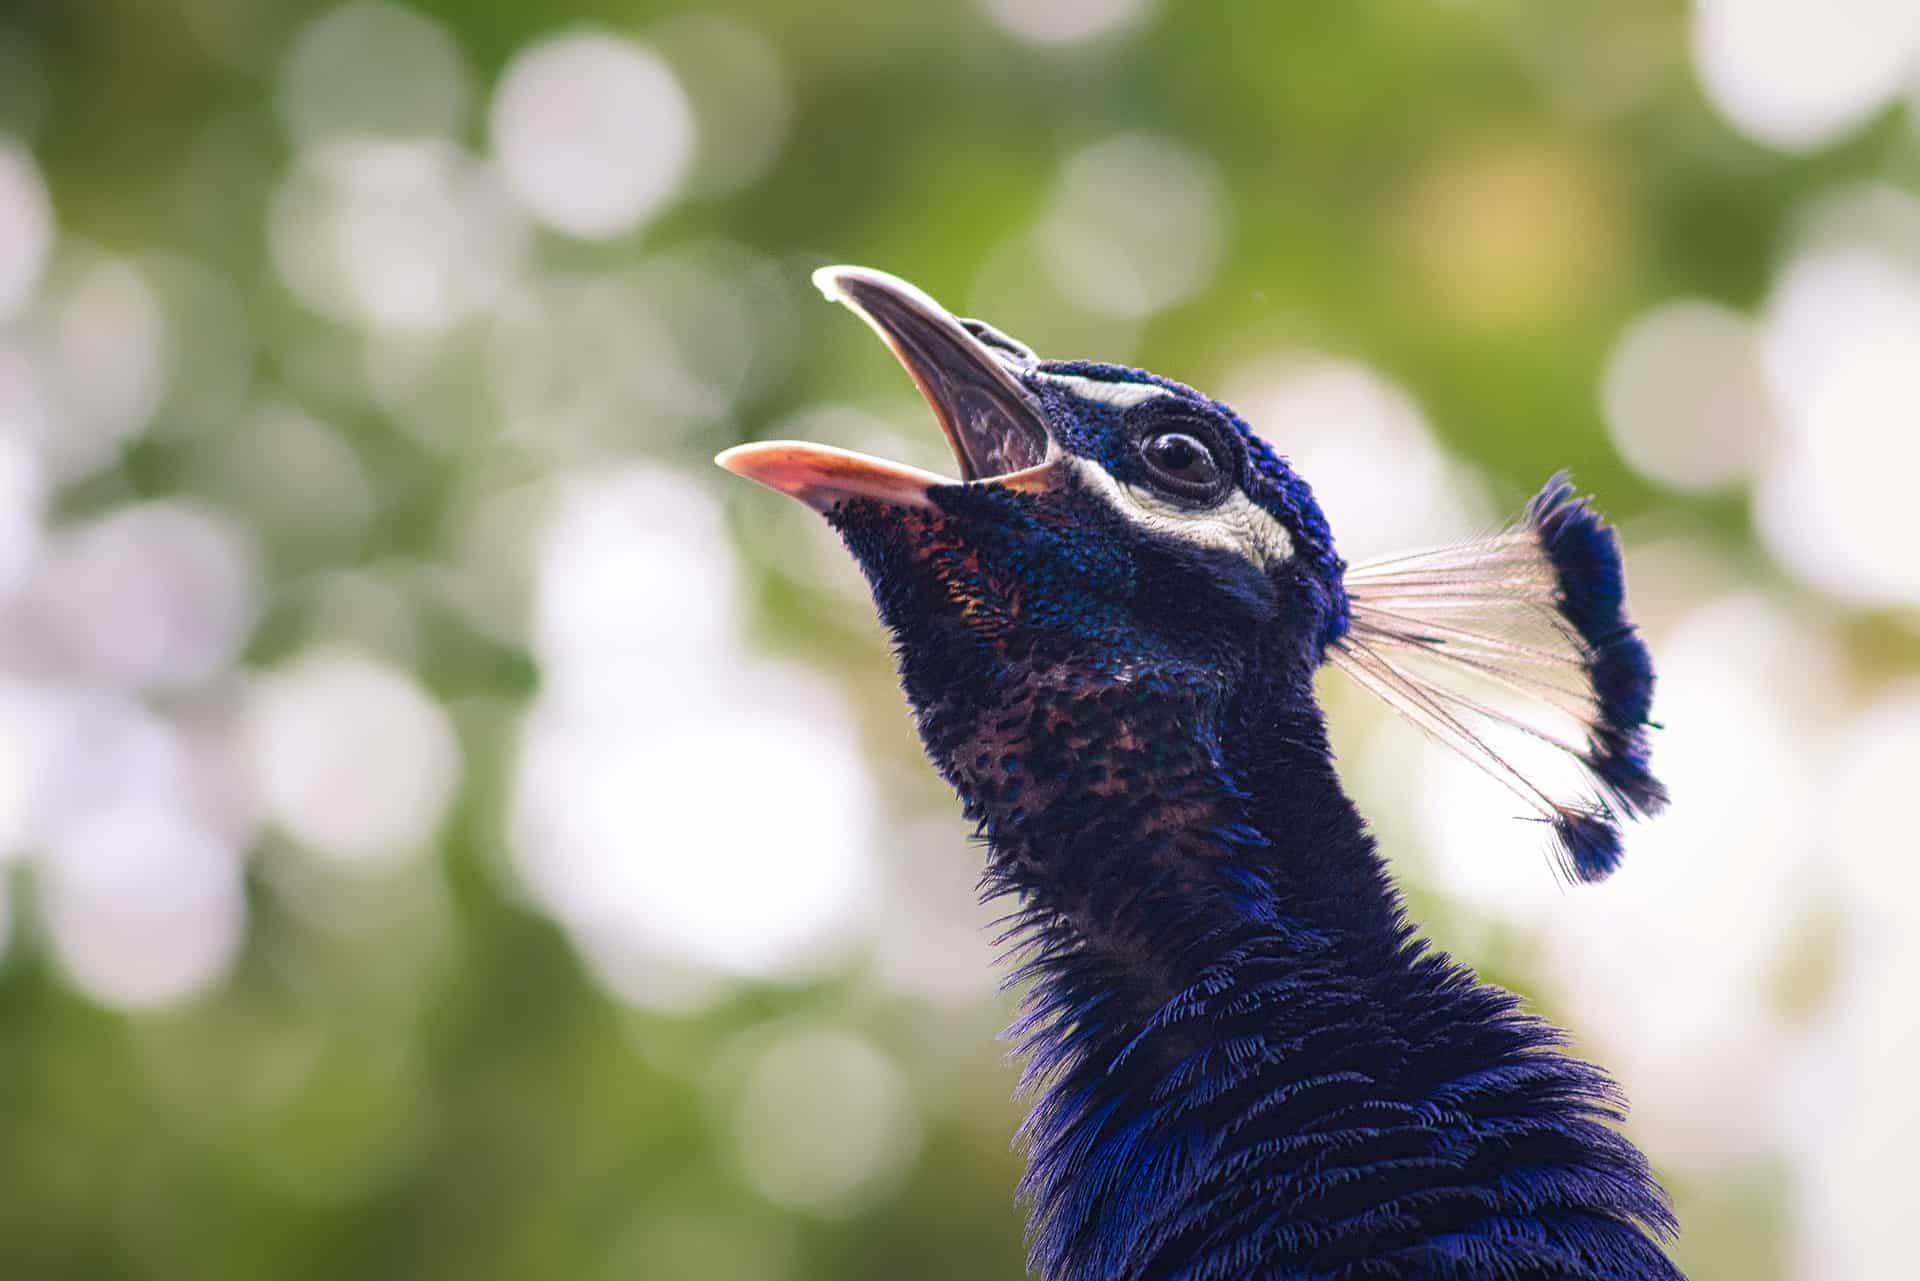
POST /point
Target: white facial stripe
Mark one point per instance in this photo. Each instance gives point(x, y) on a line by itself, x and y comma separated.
point(1238, 525)
point(1120, 395)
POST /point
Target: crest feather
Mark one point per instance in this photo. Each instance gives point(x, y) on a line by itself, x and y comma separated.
point(1520, 637)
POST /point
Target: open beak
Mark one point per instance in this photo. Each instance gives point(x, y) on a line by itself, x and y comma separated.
point(997, 432)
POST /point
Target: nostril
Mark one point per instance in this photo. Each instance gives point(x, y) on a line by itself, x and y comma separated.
point(991, 337)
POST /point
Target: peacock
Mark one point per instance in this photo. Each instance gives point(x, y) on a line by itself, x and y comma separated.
point(1244, 1061)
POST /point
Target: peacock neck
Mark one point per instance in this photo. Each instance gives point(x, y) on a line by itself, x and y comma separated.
point(1238, 1052)
point(1145, 817)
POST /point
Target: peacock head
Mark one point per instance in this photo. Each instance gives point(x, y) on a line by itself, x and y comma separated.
point(1105, 522)
point(1114, 534)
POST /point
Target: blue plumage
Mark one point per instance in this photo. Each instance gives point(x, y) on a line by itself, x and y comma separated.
point(1243, 1061)
point(1586, 557)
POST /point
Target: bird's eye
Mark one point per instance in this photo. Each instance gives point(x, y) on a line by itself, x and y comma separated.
point(1183, 463)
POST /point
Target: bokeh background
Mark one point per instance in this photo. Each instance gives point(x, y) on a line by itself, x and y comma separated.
point(447, 829)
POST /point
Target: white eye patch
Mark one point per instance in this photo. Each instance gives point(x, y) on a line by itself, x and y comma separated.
point(1237, 525)
point(1121, 395)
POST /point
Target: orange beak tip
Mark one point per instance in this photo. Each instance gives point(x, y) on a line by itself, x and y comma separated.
point(822, 477)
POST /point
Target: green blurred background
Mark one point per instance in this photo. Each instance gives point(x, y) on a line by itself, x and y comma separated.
point(447, 829)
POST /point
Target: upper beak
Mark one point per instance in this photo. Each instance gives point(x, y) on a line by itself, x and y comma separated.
point(997, 432)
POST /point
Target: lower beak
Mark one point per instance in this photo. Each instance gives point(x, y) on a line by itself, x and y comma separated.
point(823, 477)
point(998, 434)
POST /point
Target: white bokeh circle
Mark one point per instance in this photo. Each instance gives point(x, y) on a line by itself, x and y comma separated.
point(593, 132)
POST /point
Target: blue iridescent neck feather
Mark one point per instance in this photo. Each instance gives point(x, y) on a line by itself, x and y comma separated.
point(1238, 1049)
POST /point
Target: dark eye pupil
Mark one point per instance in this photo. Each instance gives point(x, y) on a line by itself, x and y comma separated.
point(1176, 453)
point(1181, 455)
